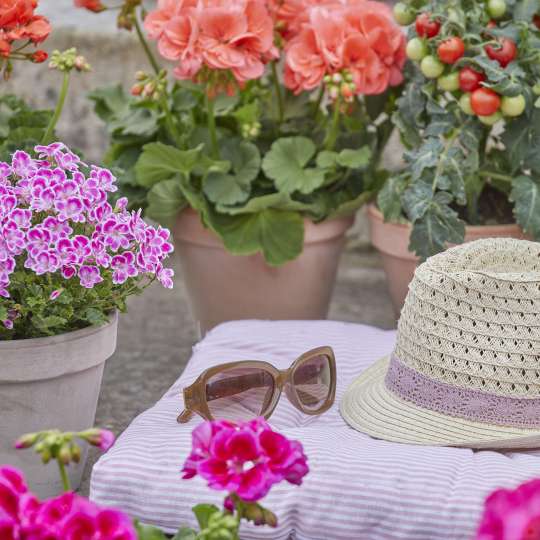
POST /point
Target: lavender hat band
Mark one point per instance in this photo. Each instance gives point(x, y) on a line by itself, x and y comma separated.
point(466, 403)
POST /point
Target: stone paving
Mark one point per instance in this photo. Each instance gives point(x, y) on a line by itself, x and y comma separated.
point(156, 336)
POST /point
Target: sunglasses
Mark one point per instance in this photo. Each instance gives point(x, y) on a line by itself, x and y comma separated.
point(240, 391)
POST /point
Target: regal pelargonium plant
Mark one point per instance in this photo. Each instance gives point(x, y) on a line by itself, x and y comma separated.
point(68, 259)
point(470, 118)
point(280, 111)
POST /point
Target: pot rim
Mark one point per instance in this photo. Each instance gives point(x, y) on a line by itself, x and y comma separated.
point(195, 233)
point(65, 337)
point(376, 214)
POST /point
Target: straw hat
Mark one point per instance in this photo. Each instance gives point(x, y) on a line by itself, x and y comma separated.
point(465, 370)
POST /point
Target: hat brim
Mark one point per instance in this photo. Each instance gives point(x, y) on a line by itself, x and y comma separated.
point(368, 406)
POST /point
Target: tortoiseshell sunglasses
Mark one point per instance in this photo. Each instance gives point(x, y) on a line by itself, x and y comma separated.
point(240, 391)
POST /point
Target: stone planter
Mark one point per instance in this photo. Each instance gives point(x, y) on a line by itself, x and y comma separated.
point(224, 287)
point(392, 242)
point(47, 383)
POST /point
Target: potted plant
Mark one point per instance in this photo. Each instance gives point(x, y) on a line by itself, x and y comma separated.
point(264, 146)
point(470, 119)
point(68, 262)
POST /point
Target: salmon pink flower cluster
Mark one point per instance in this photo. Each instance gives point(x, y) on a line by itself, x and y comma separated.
point(69, 516)
point(244, 459)
point(233, 37)
point(55, 218)
point(355, 42)
point(19, 22)
point(512, 514)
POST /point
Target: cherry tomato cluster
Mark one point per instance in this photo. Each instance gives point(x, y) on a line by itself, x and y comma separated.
point(475, 98)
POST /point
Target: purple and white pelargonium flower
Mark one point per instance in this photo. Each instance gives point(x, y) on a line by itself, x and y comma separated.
point(55, 218)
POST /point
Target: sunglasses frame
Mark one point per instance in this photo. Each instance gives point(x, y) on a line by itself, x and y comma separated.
point(195, 401)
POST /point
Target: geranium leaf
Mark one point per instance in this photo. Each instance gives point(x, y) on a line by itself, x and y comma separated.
point(279, 201)
point(165, 200)
point(234, 188)
point(526, 196)
point(327, 159)
point(354, 159)
point(159, 162)
point(278, 234)
point(185, 533)
point(285, 164)
point(389, 198)
point(147, 532)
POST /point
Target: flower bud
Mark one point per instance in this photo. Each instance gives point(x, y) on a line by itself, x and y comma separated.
point(337, 78)
point(26, 441)
point(45, 455)
point(64, 454)
point(81, 64)
point(39, 57)
point(327, 79)
point(333, 92)
point(75, 450)
point(103, 438)
point(346, 91)
point(149, 88)
point(136, 89)
point(140, 76)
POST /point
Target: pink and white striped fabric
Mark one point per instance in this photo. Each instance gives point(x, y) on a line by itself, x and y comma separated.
point(358, 488)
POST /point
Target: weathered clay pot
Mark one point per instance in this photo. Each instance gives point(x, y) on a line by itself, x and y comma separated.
point(224, 287)
point(392, 241)
point(48, 383)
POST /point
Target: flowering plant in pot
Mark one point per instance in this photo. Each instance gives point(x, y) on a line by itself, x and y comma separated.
point(244, 460)
point(469, 116)
point(68, 262)
point(277, 120)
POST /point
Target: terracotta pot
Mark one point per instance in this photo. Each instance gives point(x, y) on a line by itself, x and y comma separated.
point(224, 287)
point(392, 241)
point(48, 383)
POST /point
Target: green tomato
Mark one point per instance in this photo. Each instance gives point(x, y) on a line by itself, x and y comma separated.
point(513, 106)
point(496, 8)
point(465, 104)
point(536, 89)
point(403, 14)
point(416, 49)
point(431, 67)
point(490, 120)
point(450, 82)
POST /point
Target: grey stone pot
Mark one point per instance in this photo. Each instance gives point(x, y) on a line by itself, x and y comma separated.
point(47, 383)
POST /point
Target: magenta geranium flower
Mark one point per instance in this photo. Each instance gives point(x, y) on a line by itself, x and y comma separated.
point(69, 516)
point(244, 459)
point(512, 514)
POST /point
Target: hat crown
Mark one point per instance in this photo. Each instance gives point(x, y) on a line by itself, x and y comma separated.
point(471, 318)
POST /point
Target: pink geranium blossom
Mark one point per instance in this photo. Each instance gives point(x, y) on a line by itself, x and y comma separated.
point(512, 514)
point(354, 37)
point(233, 37)
point(69, 516)
point(245, 459)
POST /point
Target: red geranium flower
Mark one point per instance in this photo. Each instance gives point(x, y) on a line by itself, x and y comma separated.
point(92, 5)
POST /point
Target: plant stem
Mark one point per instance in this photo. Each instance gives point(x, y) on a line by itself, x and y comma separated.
point(318, 102)
point(145, 46)
point(66, 484)
point(495, 176)
point(279, 95)
point(58, 111)
point(169, 121)
point(212, 126)
point(331, 137)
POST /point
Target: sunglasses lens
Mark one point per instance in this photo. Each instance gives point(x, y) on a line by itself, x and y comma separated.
point(239, 394)
point(312, 381)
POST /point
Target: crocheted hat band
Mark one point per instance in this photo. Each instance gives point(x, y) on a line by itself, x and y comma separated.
point(460, 402)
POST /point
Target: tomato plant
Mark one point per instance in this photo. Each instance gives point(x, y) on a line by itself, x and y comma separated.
point(504, 52)
point(403, 14)
point(469, 117)
point(451, 50)
point(426, 26)
point(470, 79)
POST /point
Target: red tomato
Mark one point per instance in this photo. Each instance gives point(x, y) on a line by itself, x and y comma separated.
point(426, 27)
point(451, 50)
point(536, 21)
point(485, 102)
point(491, 24)
point(504, 53)
point(469, 79)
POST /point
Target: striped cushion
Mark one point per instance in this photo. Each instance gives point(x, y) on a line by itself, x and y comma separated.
point(358, 488)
